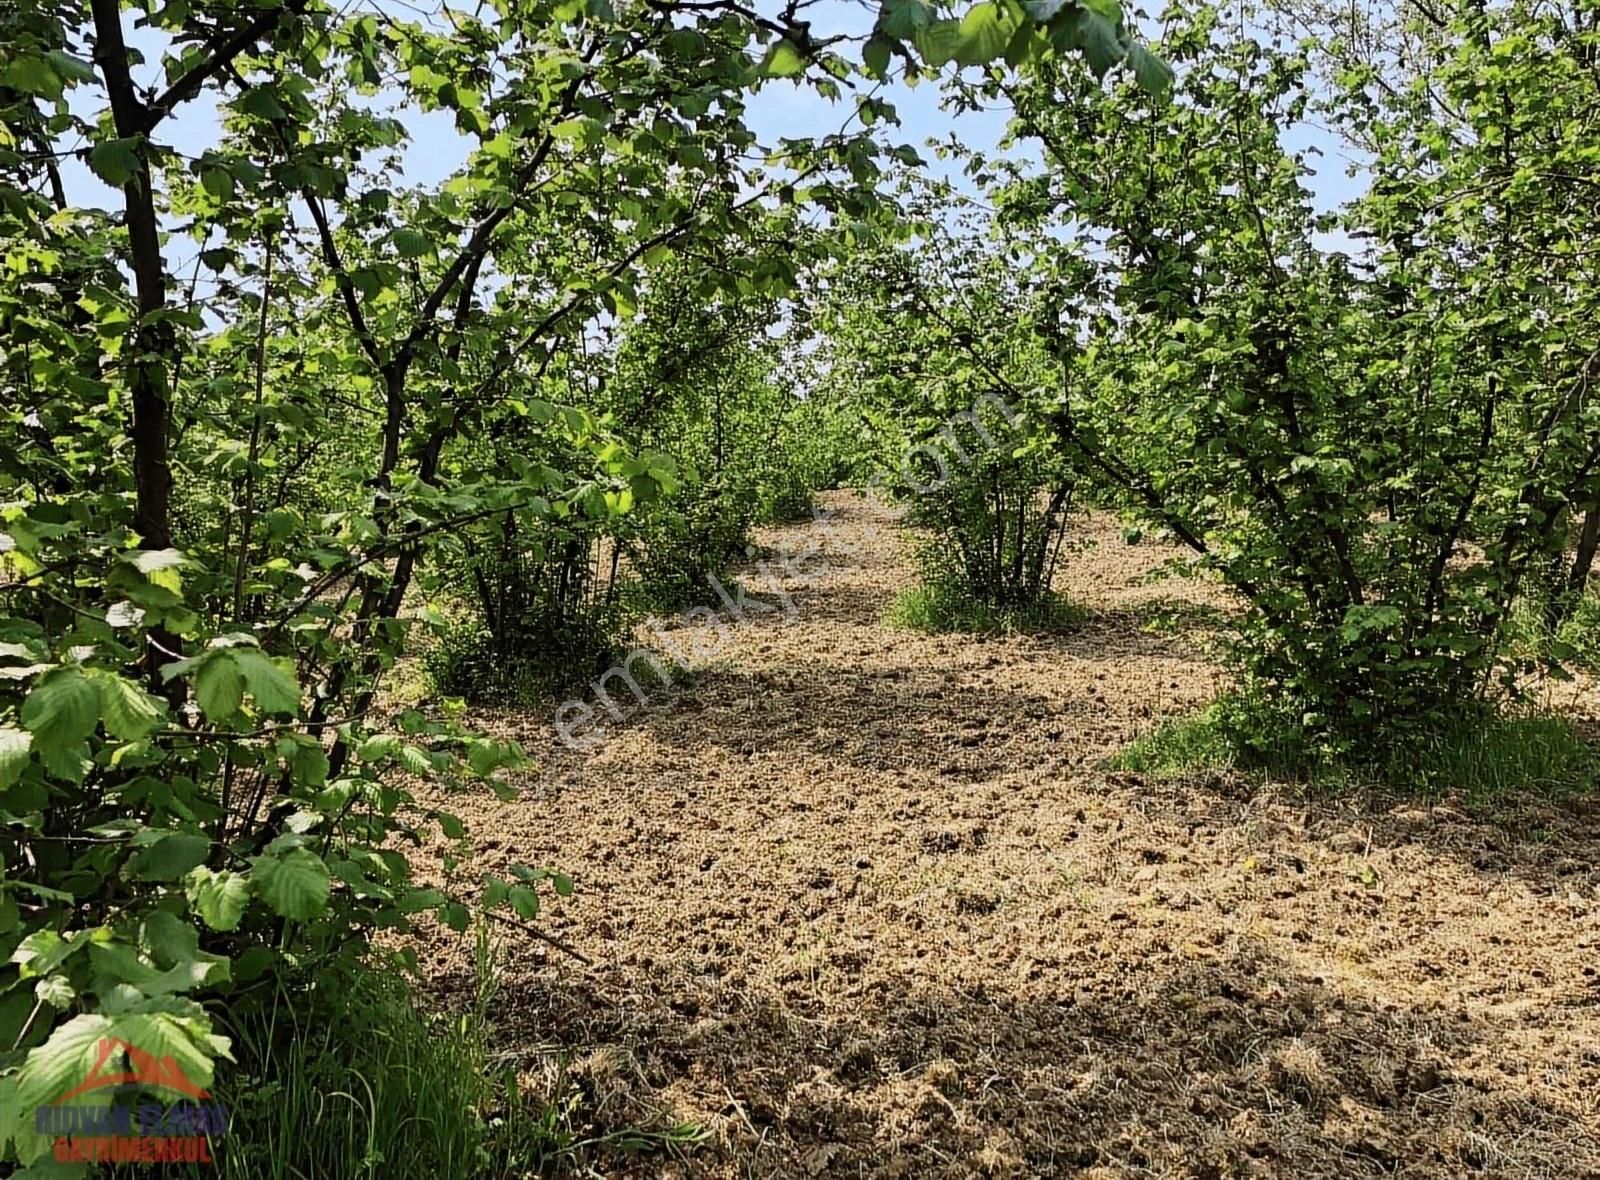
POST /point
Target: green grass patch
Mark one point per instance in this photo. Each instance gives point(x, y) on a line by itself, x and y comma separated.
point(1179, 745)
point(1578, 639)
point(546, 653)
point(356, 1080)
point(1497, 755)
point(1575, 645)
point(936, 609)
point(1484, 755)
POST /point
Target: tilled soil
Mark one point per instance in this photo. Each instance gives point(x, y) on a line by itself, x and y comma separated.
point(863, 902)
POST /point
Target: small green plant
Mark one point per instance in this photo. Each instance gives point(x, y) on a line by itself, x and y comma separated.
point(1579, 634)
point(355, 1079)
point(687, 544)
point(548, 653)
point(1179, 744)
point(532, 610)
point(1483, 754)
point(940, 607)
point(785, 496)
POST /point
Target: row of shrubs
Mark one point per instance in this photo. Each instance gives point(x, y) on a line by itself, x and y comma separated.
point(525, 617)
point(526, 611)
point(530, 606)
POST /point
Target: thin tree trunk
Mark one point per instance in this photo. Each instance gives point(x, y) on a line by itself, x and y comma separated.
point(1566, 599)
point(152, 346)
point(247, 521)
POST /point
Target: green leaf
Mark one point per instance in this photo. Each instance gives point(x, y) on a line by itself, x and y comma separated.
point(31, 74)
point(218, 897)
point(124, 614)
point(524, 901)
point(116, 161)
point(262, 103)
point(485, 756)
point(253, 963)
point(274, 689)
point(167, 938)
point(307, 760)
point(1099, 39)
point(73, 68)
point(161, 567)
point(783, 60)
point(623, 301)
point(64, 1061)
point(875, 55)
point(1154, 75)
point(14, 745)
point(905, 18)
point(218, 182)
point(43, 951)
point(127, 710)
point(61, 710)
point(414, 759)
point(414, 901)
point(23, 671)
point(149, 561)
point(120, 966)
point(985, 32)
point(296, 884)
point(219, 685)
point(1044, 11)
point(75, 1051)
point(55, 990)
point(583, 129)
point(410, 243)
point(939, 43)
point(1022, 45)
point(171, 856)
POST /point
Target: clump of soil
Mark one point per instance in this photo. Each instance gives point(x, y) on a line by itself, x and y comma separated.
point(864, 902)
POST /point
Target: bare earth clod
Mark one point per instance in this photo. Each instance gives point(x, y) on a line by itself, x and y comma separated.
point(863, 902)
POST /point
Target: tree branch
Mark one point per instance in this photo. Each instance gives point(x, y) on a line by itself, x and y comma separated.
point(222, 55)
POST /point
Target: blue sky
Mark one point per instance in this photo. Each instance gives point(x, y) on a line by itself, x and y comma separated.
point(786, 109)
point(779, 109)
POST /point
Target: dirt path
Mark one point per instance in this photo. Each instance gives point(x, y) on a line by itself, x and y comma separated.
point(864, 903)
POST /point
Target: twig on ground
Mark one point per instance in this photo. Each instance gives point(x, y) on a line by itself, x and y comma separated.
point(553, 940)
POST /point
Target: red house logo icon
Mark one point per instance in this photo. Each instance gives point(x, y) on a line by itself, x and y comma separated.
point(148, 1071)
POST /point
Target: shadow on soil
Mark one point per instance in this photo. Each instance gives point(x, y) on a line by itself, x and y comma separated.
point(960, 723)
point(1132, 1051)
point(1229, 1065)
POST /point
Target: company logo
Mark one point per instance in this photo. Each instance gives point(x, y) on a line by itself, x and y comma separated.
point(156, 1113)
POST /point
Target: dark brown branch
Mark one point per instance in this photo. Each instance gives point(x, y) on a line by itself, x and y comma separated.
point(559, 943)
point(152, 348)
point(221, 58)
point(341, 278)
